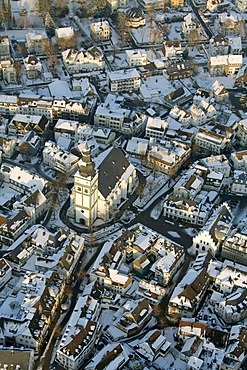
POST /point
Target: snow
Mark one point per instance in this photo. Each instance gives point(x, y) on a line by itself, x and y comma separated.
point(156, 186)
point(174, 234)
point(205, 80)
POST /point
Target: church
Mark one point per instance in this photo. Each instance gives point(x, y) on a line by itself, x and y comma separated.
point(101, 185)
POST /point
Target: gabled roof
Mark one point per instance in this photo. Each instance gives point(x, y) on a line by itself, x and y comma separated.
point(111, 170)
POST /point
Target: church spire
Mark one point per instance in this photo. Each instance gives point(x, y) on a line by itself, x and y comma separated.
point(87, 165)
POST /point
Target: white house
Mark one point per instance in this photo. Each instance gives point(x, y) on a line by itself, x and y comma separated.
point(100, 31)
point(64, 33)
point(33, 66)
point(59, 159)
point(5, 272)
point(4, 46)
point(37, 42)
point(239, 160)
point(225, 64)
point(65, 128)
point(124, 80)
point(242, 132)
point(239, 183)
point(214, 231)
point(136, 57)
point(219, 91)
point(211, 141)
point(83, 60)
point(218, 163)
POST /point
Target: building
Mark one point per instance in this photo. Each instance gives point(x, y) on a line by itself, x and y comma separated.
point(112, 115)
point(211, 141)
point(124, 80)
point(235, 354)
point(136, 57)
point(83, 60)
point(156, 128)
point(114, 5)
point(189, 24)
point(51, 108)
point(214, 232)
point(225, 64)
point(23, 123)
point(186, 210)
point(217, 5)
point(99, 189)
point(219, 45)
point(168, 159)
point(189, 202)
point(59, 159)
point(8, 146)
point(179, 70)
point(177, 3)
point(135, 316)
point(100, 31)
point(112, 355)
point(217, 163)
point(188, 294)
point(78, 339)
point(234, 248)
point(23, 181)
point(65, 128)
point(233, 307)
point(16, 358)
point(152, 345)
point(239, 160)
point(150, 5)
point(242, 132)
point(65, 37)
point(235, 45)
point(5, 272)
point(37, 42)
point(172, 48)
point(150, 290)
point(230, 24)
point(239, 183)
point(4, 46)
point(219, 91)
point(33, 66)
point(241, 5)
point(7, 70)
point(135, 17)
point(167, 266)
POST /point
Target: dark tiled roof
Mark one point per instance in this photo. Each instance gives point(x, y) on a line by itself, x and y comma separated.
point(109, 357)
point(111, 170)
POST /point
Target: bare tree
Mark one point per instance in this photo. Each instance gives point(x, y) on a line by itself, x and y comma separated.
point(17, 66)
point(123, 27)
point(25, 150)
point(43, 6)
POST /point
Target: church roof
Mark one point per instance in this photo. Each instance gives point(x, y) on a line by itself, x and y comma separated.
point(111, 170)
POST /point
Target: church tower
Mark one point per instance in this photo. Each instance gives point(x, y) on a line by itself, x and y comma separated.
point(86, 190)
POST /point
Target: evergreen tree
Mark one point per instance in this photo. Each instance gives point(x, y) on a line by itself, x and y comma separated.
point(49, 25)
